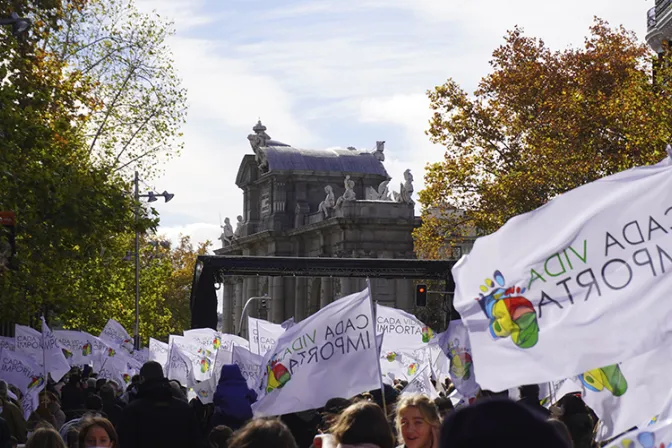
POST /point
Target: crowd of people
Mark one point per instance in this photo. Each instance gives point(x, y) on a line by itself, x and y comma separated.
point(83, 410)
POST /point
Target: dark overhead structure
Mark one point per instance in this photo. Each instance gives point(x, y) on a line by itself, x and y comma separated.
point(211, 270)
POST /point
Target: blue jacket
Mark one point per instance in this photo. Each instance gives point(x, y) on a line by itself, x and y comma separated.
point(233, 399)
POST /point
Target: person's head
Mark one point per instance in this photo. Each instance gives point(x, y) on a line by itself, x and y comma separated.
point(219, 436)
point(262, 433)
point(562, 429)
point(444, 405)
point(97, 432)
point(94, 403)
point(151, 371)
point(529, 391)
point(3, 390)
point(45, 437)
point(498, 422)
point(107, 393)
point(363, 422)
point(416, 419)
point(100, 382)
point(75, 379)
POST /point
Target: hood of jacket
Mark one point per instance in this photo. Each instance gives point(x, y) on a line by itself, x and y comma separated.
point(233, 397)
point(156, 390)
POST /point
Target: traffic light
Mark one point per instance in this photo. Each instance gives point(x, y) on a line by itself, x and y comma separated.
point(420, 295)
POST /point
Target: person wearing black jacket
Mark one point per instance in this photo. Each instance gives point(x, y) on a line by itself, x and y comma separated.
point(5, 435)
point(155, 418)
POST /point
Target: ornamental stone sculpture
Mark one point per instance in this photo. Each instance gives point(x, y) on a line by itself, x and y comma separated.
point(383, 193)
point(378, 153)
point(329, 201)
point(349, 194)
point(259, 140)
point(227, 233)
point(406, 189)
point(239, 228)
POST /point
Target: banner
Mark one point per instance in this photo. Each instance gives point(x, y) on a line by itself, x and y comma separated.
point(117, 368)
point(29, 341)
point(591, 265)
point(249, 364)
point(55, 362)
point(333, 349)
point(421, 384)
point(400, 364)
point(180, 367)
point(21, 371)
point(205, 391)
point(655, 436)
point(158, 351)
point(202, 358)
point(402, 330)
point(116, 335)
point(454, 343)
point(77, 346)
point(7, 343)
point(263, 335)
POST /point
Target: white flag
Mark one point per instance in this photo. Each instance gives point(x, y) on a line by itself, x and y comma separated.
point(115, 334)
point(7, 343)
point(31, 401)
point(552, 292)
point(223, 357)
point(180, 366)
point(400, 364)
point(263, 335)
point(21, 371)
point(202, 358)
point(249, 364)
point(119, 367)
point(29, 341)
point(421, 384)
point(454, 343)
point(335, 347)
point(402, 330)
point(205, 391)
point(77, 346)
point(658, 435)
point(158, 351)
point(56, 364)
point(626, 394)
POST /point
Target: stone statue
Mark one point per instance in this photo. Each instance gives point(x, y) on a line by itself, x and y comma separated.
point(239, 228)
point(259, 140)
point(227, 233)
point(383, 193)
point(378, 153)
point(349, 194)
point(328, 202)
point(405, 194)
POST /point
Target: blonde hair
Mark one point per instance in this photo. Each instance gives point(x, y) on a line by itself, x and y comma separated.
point(427, 409)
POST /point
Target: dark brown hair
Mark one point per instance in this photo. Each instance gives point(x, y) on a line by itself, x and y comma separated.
point(219, 436)
point(104, 423)
point(262, 433)
point(45, 437)
point(363, 422)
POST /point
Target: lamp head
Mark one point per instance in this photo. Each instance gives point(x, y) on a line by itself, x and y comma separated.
point(151, 197)
point(167, 196)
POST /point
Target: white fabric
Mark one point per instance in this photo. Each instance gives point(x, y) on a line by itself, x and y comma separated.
point(158, 351)
point(454, 344)
point(579, 282)
point(421, 384)
point(658, 435)
point(263, 335)
point(205, 391)
point(21, 371)
point(249, 364)
point(335, 347)
point(8, 343)
point(400, 364)
point(29, 342)
point(115, 335)
point(202, 358)
point(77, 346)
point(55, 362)
point(180, 366)
point(402, 330)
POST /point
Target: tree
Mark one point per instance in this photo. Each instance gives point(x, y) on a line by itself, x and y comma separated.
point(542, 123)
point(140, 101)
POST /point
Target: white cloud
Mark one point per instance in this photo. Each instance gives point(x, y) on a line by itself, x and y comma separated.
point(199, 233)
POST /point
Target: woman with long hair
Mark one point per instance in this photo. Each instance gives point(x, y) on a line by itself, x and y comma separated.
point(97, 432)
point(418, 422)
point(363, 424)
point(45, 437)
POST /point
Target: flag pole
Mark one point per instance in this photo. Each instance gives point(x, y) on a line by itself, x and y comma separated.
point(373, 325)
point(258, 338)
point(44, 354)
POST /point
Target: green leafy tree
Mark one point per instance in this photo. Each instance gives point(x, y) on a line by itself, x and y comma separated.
point(543, 122)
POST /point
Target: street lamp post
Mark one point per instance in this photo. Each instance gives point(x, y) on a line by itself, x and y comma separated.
point(19, 24)
point(242, 315)
point(151, 197)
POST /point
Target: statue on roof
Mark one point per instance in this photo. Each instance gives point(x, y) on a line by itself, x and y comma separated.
point(406, 189)
point(227, 233)
point(383, 193)
point(349, 194)
point(379, 153)
point(329, 201)
point(239, 228)
point(259, 140)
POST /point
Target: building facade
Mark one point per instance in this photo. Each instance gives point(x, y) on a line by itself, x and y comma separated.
point(659, 25)
point(315, 203)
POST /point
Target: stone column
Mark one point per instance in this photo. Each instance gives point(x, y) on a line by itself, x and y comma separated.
point(227, 306)
point(405, 294)
point(237, 303)
point(276, 290)
point(348, 286)
point(300, 296)
point(326, 292)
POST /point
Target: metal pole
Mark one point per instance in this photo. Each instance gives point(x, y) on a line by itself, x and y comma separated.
point(136, 342)
point(242, 314)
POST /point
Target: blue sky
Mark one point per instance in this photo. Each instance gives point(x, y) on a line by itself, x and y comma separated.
point(325, 73)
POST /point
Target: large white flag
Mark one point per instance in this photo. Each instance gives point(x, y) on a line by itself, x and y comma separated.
point(421, 384)
point(158, 351)
point(454, 343)
point(180, 366)
point(202, 358)
point(115, 334)
point(8, 343)
point(334, 350)
point(402, 330)
point(77, 346)
point(54, 358)
point(249, 364)
point(263, 335)
point(655, 436)
point(401, 364)
point(21, 371)
point(29, 341)
point(583, 280)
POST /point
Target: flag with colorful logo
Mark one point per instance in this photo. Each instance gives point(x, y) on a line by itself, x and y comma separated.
point(658, 435)
point(402, 330)
point(54, 358)
point(340, 337)
point(77, 346)
point(21, 371)
point(115, 334)
point(454, 343)
point(421, 384)
point(536, 291)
